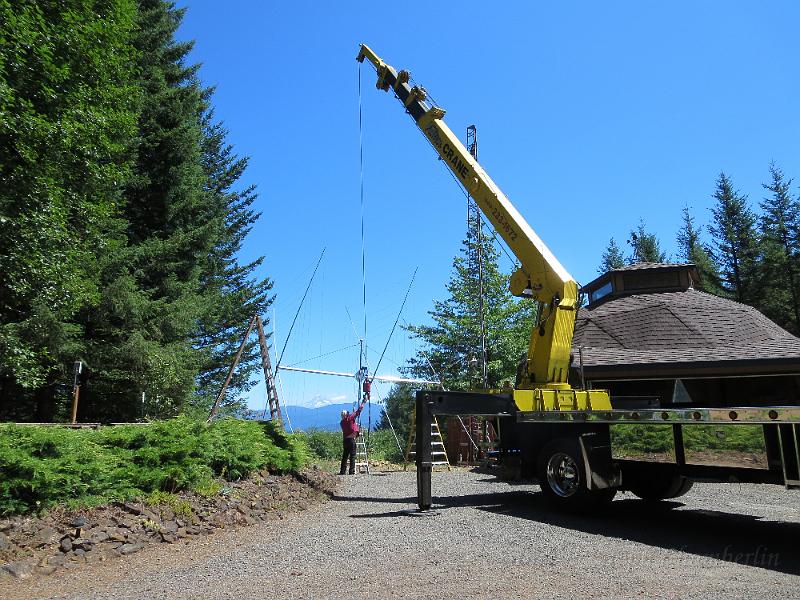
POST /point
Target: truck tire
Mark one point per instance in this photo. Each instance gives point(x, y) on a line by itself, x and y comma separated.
point(562, 477)
point(663, 488)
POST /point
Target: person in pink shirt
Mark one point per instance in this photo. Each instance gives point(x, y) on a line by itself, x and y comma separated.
point(349, 434)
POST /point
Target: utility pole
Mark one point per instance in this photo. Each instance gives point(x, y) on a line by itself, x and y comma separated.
point(475, 235)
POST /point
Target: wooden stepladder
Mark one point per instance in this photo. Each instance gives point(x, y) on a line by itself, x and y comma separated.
point(269, 380)
point(438, 452)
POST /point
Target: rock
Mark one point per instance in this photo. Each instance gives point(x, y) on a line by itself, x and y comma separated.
point(57, 560)
point(78, 554)
point(169, 526)
point(20, 570)
point(169, 538)
point(45, 536)
point(122, 521)
point(133, 508)
point(126, 549)
point(78, 521)
point(117, 535)
point(46, 570)
point(66, 544)
point(99, 537)
point(181, 533)
point(167, 514)
point(149, 514)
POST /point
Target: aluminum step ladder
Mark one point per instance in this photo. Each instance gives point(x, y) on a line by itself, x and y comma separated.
point(362, 457)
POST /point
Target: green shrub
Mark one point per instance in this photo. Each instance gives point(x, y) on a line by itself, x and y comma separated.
point(44, 466)
point(165, 455)
point(383, 446)
point(327, 445)
point(323, 445)
point(38, 464)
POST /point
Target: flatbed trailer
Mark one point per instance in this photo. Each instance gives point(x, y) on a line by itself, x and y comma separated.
point(572, 453)
point(568, 437)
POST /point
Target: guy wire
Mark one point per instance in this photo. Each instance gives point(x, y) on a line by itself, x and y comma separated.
point(308, 287)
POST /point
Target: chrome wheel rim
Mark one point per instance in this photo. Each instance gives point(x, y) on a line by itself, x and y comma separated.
point(563, 476)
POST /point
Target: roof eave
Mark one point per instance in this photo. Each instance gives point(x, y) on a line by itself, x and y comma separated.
point(728, 368)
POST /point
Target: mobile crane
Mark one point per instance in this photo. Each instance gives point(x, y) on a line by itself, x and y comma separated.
point(559, 433)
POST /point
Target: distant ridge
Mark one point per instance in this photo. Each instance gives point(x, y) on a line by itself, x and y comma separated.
point(324, 417)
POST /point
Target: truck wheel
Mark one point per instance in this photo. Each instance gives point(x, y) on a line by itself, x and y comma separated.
point(664, 488)
point(562, 477)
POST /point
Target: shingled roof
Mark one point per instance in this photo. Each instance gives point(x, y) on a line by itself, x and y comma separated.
point(680, 334)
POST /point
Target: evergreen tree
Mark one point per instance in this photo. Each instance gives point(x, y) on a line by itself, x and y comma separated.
point(399, 404)
point(234, 295)
point(736, 243)
point(780, 270)
point(612, 258)
point(645, 246)
point(121, 215)
point(67, 118)
point(453, 340)
point(140, 334)
point(691, 250)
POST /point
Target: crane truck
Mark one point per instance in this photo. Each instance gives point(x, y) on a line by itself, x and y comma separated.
point(558, 433)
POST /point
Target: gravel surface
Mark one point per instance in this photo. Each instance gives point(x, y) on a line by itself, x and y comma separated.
point(486, 540)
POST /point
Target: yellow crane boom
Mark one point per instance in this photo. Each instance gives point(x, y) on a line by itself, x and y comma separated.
point(540, 275)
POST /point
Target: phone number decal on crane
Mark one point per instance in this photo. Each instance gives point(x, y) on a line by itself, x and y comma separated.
point(503, 223)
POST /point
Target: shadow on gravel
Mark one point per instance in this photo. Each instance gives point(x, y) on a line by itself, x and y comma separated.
point(731, 537)
point(408, 500)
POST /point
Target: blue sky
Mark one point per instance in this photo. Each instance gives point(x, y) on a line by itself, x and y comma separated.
point(590, 116)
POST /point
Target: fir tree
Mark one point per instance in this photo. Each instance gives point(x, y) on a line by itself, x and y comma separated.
point(234, 294)
point(780, 271)
point(452, 341)
point(645, 246)
point(67, 120)
point(691, 250)
point(399, 406)
point(612, 258)
point(141, 334)
point(736, 243)
point(121, 215)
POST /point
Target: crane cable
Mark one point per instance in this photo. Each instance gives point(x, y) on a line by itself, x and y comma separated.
point(363, 241)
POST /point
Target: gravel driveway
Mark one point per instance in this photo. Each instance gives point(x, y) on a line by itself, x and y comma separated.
point(486, 540)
